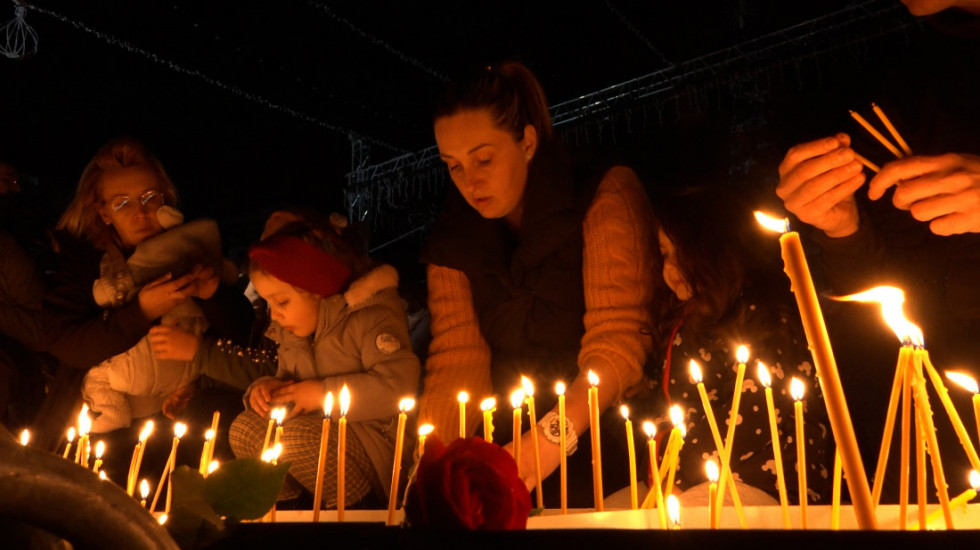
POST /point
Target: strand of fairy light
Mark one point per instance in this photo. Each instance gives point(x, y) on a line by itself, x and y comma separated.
point(176, 67)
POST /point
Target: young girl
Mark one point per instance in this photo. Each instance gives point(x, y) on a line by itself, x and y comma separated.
point(338, 321)
point(718, 297)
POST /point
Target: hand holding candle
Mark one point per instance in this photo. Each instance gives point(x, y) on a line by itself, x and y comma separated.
point(404, 406)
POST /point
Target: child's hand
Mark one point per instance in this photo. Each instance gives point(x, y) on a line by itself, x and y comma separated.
point(307, 396)
point(169, 342)
point(177, 402)
point(261, 398)
point(207, 280)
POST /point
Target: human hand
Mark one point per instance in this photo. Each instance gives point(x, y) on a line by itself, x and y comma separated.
point(306, 396)
point(163, 294)
point(549, 452)
point(943, 190)
point(177, 402)
point(817, 181)
point(260, 398)
point(169, 342)
point(206, 280)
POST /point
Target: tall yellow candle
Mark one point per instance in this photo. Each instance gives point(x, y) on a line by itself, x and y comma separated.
point(651, 430)
point(137, 460)
point(462, 398)
point(488, 406)
point(342, 452)
point(404, 406)
point(904, 354)
point(631, 453)
point(517, 402)
point(280, 417)
point(533, 425)
point(796, 391)
point(835, 496)
point(960, 501)
point(777, 451)
point(424, 431)
point(929, 431)
point(215, 418)
point(99, 451)
point(876, 134)
point(904, 472)
point(954, 415)
point(968, 383)
point(920, 465)
point(84, 425)
point(711, 469)
point(71, 437)
point(742, 355)
point(203, 466)
point(273, 413)
point(322, 458)
point(891, 129)
point(271, 455)
point(563, 445)
point(796, 268)
point(179, 430)
point(596, 441)
point(677, 418)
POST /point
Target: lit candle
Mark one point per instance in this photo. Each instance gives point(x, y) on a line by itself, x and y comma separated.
point(677, 435)
point(596, 441)
point(144, 492)
point(213, 466)
point(960, 501)
point(777, 451)
point(801, 284)
point(563, 445)
point(271, 455)
point(488, 406)
point(205, 454)
point(969, 384)
point(741, 355)
point(280, 415)
point(424, 431)
point(342, 452)
point(268, 430)
point(517, 402)
point(924, 414)
point(71, 437)
point(215, 417)
point(322, 462)
point(835, 498)
point(462, 397)
point(99, 451)
point(674, 511)
point(651, 430)
point(631, 452)
point(695, 371)
point(103, 476)
point(137, 460)
point(404, 406)
point(84, 425)
point(179, 429)
point(711, 469)
point(796, 391)
point(25, 437)
point(533, 425)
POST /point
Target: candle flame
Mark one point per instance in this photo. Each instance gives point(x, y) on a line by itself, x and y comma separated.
point(272, 453)
point(742, 354)
point(650, 429)
point(180, 429)
point(99, 449)
point(891, 300)
point(209, 435)
point(406, 404)
point(84, 422)
point(677, 416)
point(593, 378)
point(560, 388)
point(25, 437)
point(975, 480)
point(279, 414)
point(796, 389)
point(517, 398)
point(674, 509)
point(462, 397)
point(213, 466)
point(71, 434)
point(683, 430)
point(147, 431)
point(965, 380)
point(488, 404)
point(162, 519)
point(779, 225)
point(426, 429)
point(102, 475)
point(82, 414)
point(764, 377)
point(711, 469)
point(625, 411)
point(328, 404)
point(144, 489)
point(695, 370)
point(344, 400)
point(528, 386)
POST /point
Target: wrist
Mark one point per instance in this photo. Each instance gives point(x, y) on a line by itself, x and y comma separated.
point(552, 432)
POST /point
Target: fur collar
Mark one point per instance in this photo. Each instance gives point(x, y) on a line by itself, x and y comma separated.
point(371, 283)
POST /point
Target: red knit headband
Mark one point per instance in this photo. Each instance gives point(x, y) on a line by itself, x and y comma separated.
point(301, 264)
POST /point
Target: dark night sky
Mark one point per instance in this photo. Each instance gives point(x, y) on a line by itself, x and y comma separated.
point(248, 103)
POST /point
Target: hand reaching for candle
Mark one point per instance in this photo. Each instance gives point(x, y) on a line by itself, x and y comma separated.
point(817, 181)
point(943, 190)
point(306, 396)
point(260, 398)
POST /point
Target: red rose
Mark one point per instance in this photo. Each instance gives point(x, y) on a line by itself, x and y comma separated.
point(471, 484)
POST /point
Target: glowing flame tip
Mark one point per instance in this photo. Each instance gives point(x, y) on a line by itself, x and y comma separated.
point(796, 389)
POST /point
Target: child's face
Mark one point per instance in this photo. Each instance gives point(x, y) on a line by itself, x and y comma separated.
point(672, 274)
point(296, 311)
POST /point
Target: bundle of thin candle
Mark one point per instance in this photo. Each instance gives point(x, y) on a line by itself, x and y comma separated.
point(900, 151)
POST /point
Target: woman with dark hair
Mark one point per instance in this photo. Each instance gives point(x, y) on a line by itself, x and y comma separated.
point(536, 267)
point(716, 293)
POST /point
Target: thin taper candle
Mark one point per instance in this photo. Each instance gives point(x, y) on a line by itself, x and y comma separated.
point(563, 445)
point(462, 398)
point(517, 401)
point(596, 441)
point(777, 451)
point(404, 406)
point(71, 437)
point(796, 391)
point(533, 425)
point(631, 454)
point(651, 430)
point(342, 452)
point(488, 406)
point(322, 461)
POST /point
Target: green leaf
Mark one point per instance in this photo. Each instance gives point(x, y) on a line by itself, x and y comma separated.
point(189, 495)
point(535, 512)
point(245, 488)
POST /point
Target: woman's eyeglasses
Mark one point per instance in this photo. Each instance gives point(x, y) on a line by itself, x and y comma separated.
point(150, 200)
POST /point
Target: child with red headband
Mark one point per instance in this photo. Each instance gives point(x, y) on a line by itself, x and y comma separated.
point(338, 321)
